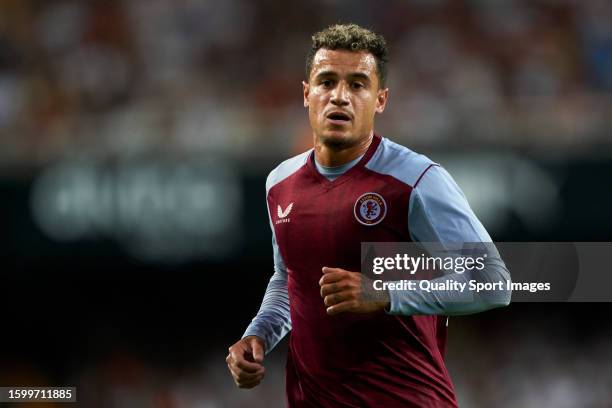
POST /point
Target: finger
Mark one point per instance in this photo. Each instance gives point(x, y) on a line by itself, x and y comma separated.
point(328, 289)
point(332, 277)
point(327, 269)
point(244, 377)
point(342, 307)
point(234, 371)
point(337, 297)
point(247, 366)
point(339, 286)
point(238, 360)
point(241, 375)
point(249, 384)
point(258, 351)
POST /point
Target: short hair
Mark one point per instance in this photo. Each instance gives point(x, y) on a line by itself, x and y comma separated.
point(351, 37)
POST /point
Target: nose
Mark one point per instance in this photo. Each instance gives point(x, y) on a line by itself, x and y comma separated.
point(339, 96)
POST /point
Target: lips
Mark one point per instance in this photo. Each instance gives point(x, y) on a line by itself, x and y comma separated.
point(338, 117)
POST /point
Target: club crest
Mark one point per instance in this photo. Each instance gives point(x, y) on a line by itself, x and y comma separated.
point(370, 209)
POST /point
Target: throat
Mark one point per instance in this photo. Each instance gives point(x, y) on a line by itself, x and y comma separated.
point(334, 153)
point(333, 172)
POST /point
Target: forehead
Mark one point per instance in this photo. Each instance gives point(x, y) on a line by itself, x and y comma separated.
point(343, 61)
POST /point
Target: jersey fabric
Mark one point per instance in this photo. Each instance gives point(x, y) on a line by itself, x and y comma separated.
point(393, 359)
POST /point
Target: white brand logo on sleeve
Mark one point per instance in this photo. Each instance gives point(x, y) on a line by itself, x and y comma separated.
point(282, 215)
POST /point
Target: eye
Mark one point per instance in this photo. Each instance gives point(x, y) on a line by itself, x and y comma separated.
point(327, 83)
point(357, 85)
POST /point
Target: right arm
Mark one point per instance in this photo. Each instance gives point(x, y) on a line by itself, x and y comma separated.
point(273, 321)
point(270, 325)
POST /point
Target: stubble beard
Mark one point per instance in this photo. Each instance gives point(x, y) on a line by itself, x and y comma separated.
point(339, 143)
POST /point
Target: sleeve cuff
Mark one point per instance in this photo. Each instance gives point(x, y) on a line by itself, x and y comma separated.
point(254, 331)
point(398, 304)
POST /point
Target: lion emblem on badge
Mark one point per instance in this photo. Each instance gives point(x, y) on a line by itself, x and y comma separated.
point(370, 209)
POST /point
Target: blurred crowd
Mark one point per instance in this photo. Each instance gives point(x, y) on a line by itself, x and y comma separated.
point(521, 371)
point(524, 368)
point(115, 80)
point(110, 78)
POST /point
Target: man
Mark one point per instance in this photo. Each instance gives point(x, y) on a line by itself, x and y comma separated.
point(354, 187)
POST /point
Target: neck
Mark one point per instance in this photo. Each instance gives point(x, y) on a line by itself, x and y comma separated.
point(329, 155)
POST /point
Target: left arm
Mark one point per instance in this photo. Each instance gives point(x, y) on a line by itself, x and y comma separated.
point(438, 213)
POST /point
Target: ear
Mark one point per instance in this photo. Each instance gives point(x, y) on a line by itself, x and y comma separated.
point(381, 100)
point(306, 90)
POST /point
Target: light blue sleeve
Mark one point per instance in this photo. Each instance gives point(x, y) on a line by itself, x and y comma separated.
point(439, 213)
point(273, 321)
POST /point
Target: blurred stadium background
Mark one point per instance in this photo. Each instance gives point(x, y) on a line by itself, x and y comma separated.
point(135, 138)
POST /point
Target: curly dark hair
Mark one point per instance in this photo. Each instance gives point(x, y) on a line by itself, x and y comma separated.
point(351, 37)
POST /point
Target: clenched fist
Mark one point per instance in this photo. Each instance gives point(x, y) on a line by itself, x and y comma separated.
point(245, 361)
point(346, 291)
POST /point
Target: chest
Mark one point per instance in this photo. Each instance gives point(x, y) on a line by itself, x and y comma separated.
point(324, 224)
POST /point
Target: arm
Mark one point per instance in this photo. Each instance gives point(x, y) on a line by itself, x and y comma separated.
point(273, 321)
point(270, 325)
point(440, 213)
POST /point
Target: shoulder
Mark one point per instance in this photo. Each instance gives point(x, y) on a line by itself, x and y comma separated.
point(286, 169)
point(400, 162)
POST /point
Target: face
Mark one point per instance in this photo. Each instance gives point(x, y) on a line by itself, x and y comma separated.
point(342, 96)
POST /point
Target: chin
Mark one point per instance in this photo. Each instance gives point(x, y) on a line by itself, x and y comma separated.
point(337, 139)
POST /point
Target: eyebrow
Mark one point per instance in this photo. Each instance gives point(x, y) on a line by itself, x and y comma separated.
point(359, 75)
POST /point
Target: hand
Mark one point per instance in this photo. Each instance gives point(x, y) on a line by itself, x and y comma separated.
point(245, 361)
point(346, 291)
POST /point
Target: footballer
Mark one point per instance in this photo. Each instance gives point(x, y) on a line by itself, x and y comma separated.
point(356, 186)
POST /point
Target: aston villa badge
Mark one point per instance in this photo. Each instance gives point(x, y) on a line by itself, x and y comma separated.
point(370, 209)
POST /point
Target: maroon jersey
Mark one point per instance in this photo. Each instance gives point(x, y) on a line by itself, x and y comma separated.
point(352, 360)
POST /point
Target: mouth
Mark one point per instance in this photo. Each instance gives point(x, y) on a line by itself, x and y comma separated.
point(338, 117)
